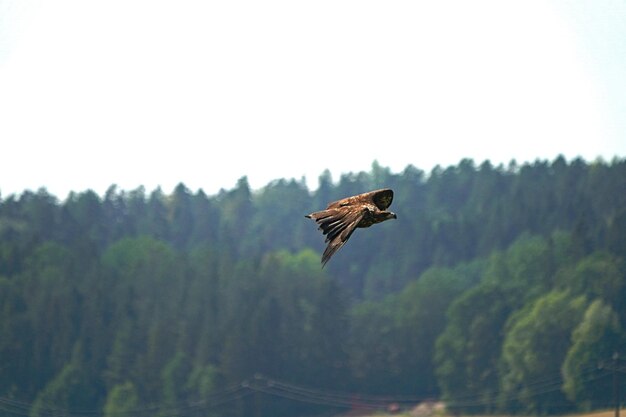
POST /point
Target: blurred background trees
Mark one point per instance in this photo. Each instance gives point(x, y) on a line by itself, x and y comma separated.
point(498, 289)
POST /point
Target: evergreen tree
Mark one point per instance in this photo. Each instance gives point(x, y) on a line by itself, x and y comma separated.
point(496, 284)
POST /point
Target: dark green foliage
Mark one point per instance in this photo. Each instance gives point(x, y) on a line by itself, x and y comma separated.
point(69, 390)
point(393, 341)
point(594, 341)
point(498, 289)
point(468, 350)
point(121, 399)
point(535, 345)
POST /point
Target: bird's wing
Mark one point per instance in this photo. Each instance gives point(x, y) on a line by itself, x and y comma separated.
point(381, 198)
point(338, 224)
point(348, 201)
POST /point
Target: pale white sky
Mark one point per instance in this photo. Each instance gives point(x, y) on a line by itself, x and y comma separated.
point(138, 92)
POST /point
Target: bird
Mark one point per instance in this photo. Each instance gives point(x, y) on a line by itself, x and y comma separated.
point(342, 217)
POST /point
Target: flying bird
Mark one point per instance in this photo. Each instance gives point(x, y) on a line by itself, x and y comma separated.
point(341, 217)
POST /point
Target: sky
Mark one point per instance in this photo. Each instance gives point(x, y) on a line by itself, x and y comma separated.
point(155, 93)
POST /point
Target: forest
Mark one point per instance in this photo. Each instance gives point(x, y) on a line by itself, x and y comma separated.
point(499, 289)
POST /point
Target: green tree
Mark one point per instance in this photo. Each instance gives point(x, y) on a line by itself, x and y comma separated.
point(272, 218)
point(206, 220)
point(420, 313)
point(468, 350)
point(202, 381)
point(173, 378)
point(184, 292)
point(594, 341)
point(50, 279)
point(121, 399)
point(236, 214)
point(374, 346)
point(69, 390)
point(597, 275)
point(181, 216)
point(144, 279)
point(85, 226)
point(535, 345)
point(16, 330)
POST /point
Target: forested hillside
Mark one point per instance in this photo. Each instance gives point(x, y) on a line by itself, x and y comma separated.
point(498, 289)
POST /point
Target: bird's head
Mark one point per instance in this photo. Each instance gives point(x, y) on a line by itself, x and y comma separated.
point(390, 215)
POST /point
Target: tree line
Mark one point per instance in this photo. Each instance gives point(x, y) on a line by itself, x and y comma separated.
point(499, 289)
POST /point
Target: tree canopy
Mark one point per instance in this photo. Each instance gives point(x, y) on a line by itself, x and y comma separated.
point(499, 289)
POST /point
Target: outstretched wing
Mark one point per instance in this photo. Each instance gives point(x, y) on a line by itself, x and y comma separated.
point(337, 224)
point(382, 198)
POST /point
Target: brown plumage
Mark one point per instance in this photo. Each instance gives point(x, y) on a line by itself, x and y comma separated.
point(341, 217)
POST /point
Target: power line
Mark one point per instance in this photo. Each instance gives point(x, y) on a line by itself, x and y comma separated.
point(278, 388)
point(312, 396)
point(530, 390)
point(215, 399)
point(550, 383)
point(340, 396)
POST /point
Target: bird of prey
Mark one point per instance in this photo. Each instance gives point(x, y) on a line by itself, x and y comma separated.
point(341, 217)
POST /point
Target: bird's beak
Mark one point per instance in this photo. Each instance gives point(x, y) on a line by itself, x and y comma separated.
point(394, 215)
